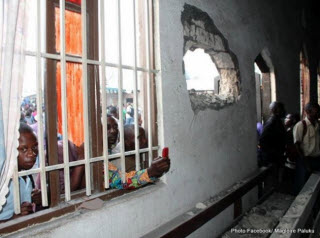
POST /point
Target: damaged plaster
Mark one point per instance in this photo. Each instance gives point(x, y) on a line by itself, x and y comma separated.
point(200, 32)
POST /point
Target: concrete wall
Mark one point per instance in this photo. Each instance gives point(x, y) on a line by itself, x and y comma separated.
point(212, 149)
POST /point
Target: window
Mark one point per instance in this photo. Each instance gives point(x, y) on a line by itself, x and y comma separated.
point(304, 82)
point(84, 60)
point(318, 82)
point(201, 35)
point(265, 84)
point(259, 92)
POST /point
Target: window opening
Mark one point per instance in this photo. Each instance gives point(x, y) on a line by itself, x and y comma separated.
point(304, 82)
point(72, 87)
point(200, 72)
point(318, 79)
point(265, 84)
point(258, 79)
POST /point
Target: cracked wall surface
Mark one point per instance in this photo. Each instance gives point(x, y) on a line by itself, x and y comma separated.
point(200, 32)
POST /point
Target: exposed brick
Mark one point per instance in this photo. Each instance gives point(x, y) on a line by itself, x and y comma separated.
point(222, 60)
point(218, 44)
point(200, 32)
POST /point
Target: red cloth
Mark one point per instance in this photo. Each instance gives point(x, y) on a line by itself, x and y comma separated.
point(74, 77)
point(75, 1)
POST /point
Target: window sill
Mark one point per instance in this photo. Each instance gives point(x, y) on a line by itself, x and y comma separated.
point(72, 206)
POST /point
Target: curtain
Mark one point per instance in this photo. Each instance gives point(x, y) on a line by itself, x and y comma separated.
point(12, 31)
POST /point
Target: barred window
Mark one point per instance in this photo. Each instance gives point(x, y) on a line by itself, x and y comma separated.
point(86, 62)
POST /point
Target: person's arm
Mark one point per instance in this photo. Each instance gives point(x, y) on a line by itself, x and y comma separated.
point(299, 150)
point(298, 137)
point(36, 196)
point(76, 177)
point(135, 179)
point(26, 208)
point(77, 173)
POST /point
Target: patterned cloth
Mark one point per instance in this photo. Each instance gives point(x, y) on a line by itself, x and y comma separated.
point(134, 179)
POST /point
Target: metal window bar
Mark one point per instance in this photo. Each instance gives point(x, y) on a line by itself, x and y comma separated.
point(44, 194)
point(120, 98)
point(85, 96)
point(76, 59)
point(64, 102)
point(135, 89)
point(82, 162)
point(16, 191)
point(104, 96)
point(147, 16)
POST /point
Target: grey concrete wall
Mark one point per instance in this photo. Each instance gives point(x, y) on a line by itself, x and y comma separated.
point(212, 149)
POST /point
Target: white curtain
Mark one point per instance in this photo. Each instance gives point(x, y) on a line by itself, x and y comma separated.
point(12, 31)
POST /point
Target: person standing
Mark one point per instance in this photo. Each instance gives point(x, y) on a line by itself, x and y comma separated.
point(272, 143)
point(273, 138)
point(306, 138)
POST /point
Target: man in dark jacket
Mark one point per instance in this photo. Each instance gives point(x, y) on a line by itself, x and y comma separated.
point(272, 143)
point(273, 138)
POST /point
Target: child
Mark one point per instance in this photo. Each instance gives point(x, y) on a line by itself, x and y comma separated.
point(27, 155)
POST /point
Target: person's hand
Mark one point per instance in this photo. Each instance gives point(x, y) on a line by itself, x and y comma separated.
point(36, 196)
point(26, 208)
point(158, 167)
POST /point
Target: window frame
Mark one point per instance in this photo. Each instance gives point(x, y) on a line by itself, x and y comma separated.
point(51, 121)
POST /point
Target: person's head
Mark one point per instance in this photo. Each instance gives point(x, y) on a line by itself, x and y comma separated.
point(112, 129)
point(28, 147)
point(312, 111)
point(29, 112)
point(277, 109)
point(291, 120)
point(114, 111)
point(129, 138)
point(143, 142)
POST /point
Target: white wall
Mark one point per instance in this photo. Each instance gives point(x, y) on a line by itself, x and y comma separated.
point(213, 149)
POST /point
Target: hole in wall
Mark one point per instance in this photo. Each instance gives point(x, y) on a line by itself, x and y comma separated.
point(200, 34)
point(201, 73)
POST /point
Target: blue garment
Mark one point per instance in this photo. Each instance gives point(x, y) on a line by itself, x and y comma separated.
point(129, 121)
point(259, 129)
point(25, 196)
point(29, 119)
